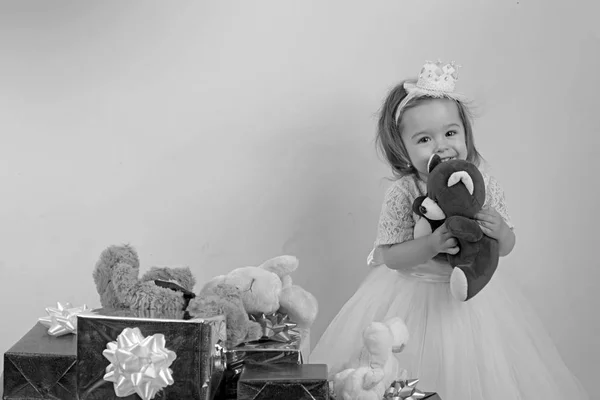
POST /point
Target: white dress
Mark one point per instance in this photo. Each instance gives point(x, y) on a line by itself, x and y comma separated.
point(492, 347)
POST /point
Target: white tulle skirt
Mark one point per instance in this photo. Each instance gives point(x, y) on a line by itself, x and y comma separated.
point(492, 347)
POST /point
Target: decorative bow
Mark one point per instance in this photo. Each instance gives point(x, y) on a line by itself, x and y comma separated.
point(62, 320)
point(404, 390)
point(139, 364)
point(276, 326)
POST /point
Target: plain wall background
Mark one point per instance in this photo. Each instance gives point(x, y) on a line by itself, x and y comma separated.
point(220, 134)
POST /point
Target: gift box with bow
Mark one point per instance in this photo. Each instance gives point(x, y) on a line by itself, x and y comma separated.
point(124, 354)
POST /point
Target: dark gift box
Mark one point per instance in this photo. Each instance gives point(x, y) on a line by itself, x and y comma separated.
point(258, 353)
point(291, 381)
point(40, 366)
point(195, 344)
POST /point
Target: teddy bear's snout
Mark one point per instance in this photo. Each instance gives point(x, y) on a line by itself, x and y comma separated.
point(431, 210)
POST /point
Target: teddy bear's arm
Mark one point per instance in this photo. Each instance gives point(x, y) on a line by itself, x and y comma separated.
point(464, 228)
point(469, 234)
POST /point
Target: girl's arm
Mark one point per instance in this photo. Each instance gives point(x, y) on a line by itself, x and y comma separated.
point(418, 251)
point(408, 254)
point(494, 225)
point(501, 227)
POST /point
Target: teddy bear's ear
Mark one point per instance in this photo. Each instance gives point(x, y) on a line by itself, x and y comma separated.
point(282, 265)
point(465, 178)
point(434, 161)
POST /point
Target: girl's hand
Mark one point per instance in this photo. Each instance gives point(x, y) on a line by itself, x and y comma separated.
point(491, 223)
point(441, 241)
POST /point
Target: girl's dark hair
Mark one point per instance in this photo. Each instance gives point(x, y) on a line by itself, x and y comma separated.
point(389, 142)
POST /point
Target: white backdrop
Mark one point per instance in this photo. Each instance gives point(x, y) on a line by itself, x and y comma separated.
point(220, 134)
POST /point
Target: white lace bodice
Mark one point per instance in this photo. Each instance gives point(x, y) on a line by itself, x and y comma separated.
point(397, 220)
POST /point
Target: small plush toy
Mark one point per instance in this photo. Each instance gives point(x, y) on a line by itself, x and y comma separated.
point(116, 277)
point(455, 194)
point(370, 375)
point(265, 289)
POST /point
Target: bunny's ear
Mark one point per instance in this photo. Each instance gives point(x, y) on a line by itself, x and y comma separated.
point(217, 280)
point(282, 265)
point(434, 160)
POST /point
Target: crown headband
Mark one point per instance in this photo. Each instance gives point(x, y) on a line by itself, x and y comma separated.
point(436, 80)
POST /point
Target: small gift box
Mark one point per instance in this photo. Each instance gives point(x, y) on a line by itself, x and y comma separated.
point(125, 354)
point(281, 344)
point(41, 366)
point(283, 381)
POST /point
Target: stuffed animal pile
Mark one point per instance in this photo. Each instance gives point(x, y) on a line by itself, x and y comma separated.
point(247, 296)
point(256, 290)
point(455, 194)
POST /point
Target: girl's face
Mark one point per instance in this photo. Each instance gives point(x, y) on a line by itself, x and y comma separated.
point(433, 127)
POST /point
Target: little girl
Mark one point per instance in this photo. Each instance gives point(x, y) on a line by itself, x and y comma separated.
point(491, 347)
